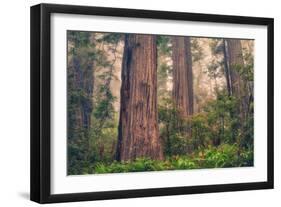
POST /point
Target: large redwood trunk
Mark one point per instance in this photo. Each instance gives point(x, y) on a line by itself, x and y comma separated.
point(138, 133)
point(182, 75)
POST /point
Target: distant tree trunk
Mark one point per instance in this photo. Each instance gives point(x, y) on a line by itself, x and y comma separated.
point(82, 84)
point(138, 133)
point(238, 85)
point(79, 98)
point(236, 62)
point(182, 75)
point(198, 83)
point(226, 68)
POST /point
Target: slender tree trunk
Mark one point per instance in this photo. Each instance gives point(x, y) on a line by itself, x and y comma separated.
point(182, 75)
point(74, 83)
point(239, 91)
point(235, 61)
point(238, 84)
point(198, 83)
point(189, 76)
point(226, 68)
point(82, 83)
point(138, 133)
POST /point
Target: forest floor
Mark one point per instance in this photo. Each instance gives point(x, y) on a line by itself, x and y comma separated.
point(213, 157)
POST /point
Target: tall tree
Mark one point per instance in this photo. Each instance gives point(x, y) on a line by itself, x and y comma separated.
point(239, 89)
point(182, 75)
point(226, 68)
point(235, 60)
point(236, 65)
point(138, 133)
point(79, 95)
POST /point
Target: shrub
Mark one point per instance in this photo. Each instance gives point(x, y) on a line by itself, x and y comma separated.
point(213, 157)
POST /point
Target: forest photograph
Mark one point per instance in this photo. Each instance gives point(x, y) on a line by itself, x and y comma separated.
point(149, 102)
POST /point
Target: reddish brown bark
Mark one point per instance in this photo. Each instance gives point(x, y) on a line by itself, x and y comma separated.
point(182, 75)
point(138, 133)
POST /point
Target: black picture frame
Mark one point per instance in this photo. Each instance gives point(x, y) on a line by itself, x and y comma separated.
point(41, 99)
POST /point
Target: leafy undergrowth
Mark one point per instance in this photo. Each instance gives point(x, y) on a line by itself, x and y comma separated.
point(213, 157)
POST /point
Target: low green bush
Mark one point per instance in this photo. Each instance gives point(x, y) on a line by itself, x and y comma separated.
point(223, 156)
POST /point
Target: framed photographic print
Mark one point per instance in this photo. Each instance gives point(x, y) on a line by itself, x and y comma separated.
point(132, 103)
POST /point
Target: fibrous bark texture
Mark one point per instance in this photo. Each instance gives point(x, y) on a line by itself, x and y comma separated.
point(182, 75)
point(138, 133)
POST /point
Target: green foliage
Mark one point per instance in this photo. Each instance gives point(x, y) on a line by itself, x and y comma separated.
point(111, 38)
point(211, 157)
point(197, 51)
point(81, 54)
point(222, 118)
point(163, 73)
point(212, 138)
point(201, 134)
point(164, 69)
point(104, 108)
point(175, 140)
point(246, 71)
point(217, 124)
point(97, 139)
point(222, 156)
point(164, 44)
point(215, 69)
point(80, 39)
